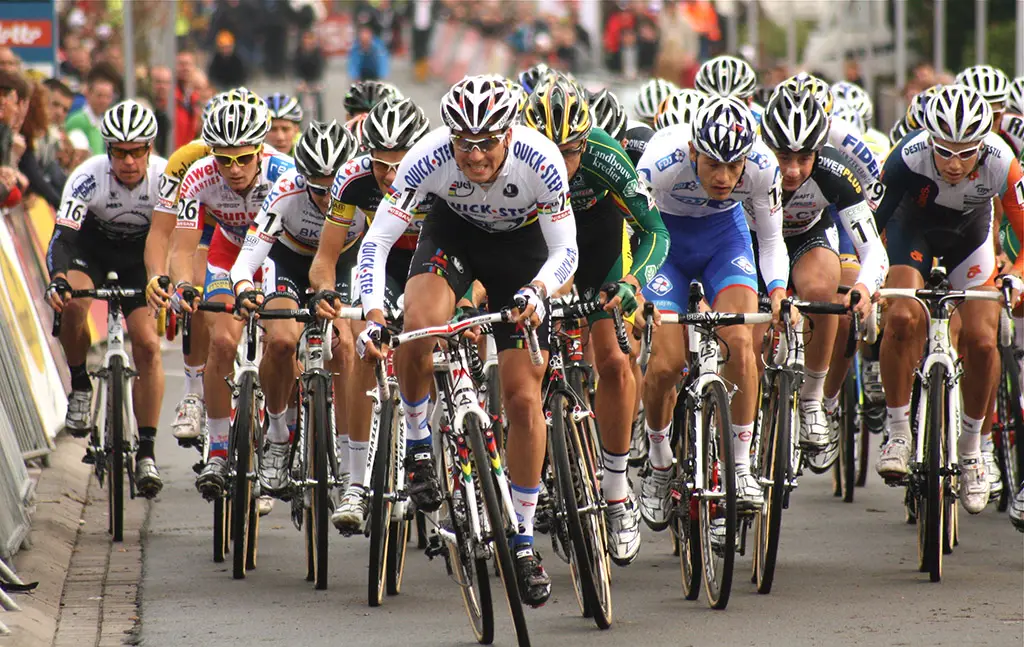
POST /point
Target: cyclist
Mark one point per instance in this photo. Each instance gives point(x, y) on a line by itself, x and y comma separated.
point(287, 229)
point(609, 115)
point(503, 217)
point(604, 187)
point(858, 99)
point(393, 126)
point(680, 108)
point(814, 179)
point(230, 185)
point(992, 84)
point(531, 77)
point(939, 186)
point(701, 185)
point(285, 122)
point(728, 76)
point(362, 96)
point(649, 97)
point(101, 227)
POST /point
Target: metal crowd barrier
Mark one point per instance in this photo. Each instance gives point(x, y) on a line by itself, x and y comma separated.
point(15, 487)
point(16, 395)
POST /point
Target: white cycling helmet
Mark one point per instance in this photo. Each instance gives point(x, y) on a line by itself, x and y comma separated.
point(680, 108)
point(128, 122)
point(846, 111)
point(817, 87)
point(323, 148)
point(958, 114)
point(857, 97)
point(650, 96)
point(394, 125)
point(236, 124)
point(724, 129)
point(607, 113)
point(726, 76)
point(283, 106)
point(794, 121)
point(991, 83)
point(1015, 102)
point(482, 104)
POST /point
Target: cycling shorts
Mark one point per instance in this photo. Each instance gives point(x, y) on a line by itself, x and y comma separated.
point(1008, 241)
point(95, 255)
point(847, 251)
point(716, 250)
point(964, 248)
point(460, 252)
point(289, 275)
point(603, 259)
point(220, 258)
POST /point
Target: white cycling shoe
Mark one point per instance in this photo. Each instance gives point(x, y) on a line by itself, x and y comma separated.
point(623, 522)
point(974, 486)
point(188, 418)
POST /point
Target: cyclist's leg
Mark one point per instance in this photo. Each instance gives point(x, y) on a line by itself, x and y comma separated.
point(189, 412)
point(75, 340)
point(910, 258)
point(278, 370)
point(840, 363)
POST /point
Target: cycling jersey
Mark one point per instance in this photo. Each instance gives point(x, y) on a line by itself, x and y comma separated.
point(859, 158)
point(606, 171)
point(177, 165)
point(757, 110)
point(914, 185)
point(355, 196)
point(637, 135)
point(832, 183)
point(94, 203)
point(530, 187)
point(288, 216)
point(204, 187)
point(677, 191)
point(878, 143)
point(1011, 129)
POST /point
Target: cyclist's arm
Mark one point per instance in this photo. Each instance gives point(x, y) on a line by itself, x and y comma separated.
point(185, 239)
point(262, 234)
point(1012, 199)
point(158, 239)
point(323, 271)
point(766, 204)
point(558, 225)
point(857, 155)
point(895, 179)
point(70, 217)
point(393, 215)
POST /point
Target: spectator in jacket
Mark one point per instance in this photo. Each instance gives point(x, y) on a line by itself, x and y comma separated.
point(309, 67)
point(43, 178)
point(369, 57)
point(160, 92)
point(187, 105)
point(100, 89)
point(226, 68)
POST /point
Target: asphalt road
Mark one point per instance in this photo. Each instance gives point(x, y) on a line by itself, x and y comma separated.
point(847, 573)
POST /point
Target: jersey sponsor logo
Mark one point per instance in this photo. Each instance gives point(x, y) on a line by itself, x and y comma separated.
point(565, 269)
point(510, 191)
point(607, 164)
point(852, 179)
point(916, 256)
point(989, 149)
point(460, 189)
point(915, 148)
point(400, 214)
point(973, 271)
point(861, 152)
point(630, 190)
point(426, 165)
point(277, 165)
point(744, 264)
point(685, 186)
point(922, 196)
point(660, 285)
point(561, 214)
point(84, 188)
point(536, 160)
point(646, 172)
point(675, 157)
point(762, 161)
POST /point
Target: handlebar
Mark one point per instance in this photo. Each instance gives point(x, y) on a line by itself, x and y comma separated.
point(583, 309)
point(108, 292)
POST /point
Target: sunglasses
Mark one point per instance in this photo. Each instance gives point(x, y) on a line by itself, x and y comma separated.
point(243, 159)
point(569, 152)
point(121, 153)
point(316, 189)
point(389, 166)
point(484, 144)
point(946, 153)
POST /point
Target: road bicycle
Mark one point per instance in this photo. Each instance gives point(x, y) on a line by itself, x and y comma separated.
point(1008, 426)
point(115, 435)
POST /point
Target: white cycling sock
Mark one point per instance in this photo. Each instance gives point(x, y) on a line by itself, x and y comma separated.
point(220, 429)
point(987, 444)
point(194, 379)
point(357, 452)
point(524, 502)
point(813, 388)
point(615, 485)
point(660, 453)
point(277, 432)
point(898, 419)
point(969, 443)
point(742, 435)
point(344, 460)
point(831, 403)
point(417, 429)
point(293, 416)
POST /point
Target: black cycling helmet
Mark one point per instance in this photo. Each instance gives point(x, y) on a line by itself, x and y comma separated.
point(362, 96)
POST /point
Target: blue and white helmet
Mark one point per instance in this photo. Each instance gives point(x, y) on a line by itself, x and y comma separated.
point(857, 97)
point(724, 129)
point(283, 106)
point(680, 108)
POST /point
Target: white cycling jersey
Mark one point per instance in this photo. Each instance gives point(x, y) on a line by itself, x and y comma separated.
point(531, 186)
point(859, 158)
point(94, 197)
point(204, 189)
point(288, 215)
point(677, 191)
point(1011, 128)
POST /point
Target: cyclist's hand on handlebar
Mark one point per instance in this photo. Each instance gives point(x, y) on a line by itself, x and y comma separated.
point(368, 344)
point(529, 306)
point(158, 292)
point(467, 311)
point(248, 302)
point(863, 307)
point(622, 294)
point(777, 296)
point(56, 291)
point(186, 297)
point(326, 304)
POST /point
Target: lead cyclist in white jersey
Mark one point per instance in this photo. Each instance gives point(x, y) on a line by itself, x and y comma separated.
point(101, 227)
point(503, 217)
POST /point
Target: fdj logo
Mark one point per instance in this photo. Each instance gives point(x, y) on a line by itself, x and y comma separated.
point(660, 285)
point(744, 264)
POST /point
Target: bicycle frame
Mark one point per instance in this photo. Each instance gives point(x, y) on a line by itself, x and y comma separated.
point(115, 347)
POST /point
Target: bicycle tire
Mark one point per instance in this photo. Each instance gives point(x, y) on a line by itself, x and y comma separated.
point(498, 519)
point(930, 530)
point(220, 531)
point(319, 395)
point(848, 437)
point(252, 544)
point(687, 522)
point(115, 432)
point(718, 580)
point(382, 487)
point(399, 532)
point(1010, 386)
point(307, 533)
point(774, 467)
point(567, 475)
point(241, 447)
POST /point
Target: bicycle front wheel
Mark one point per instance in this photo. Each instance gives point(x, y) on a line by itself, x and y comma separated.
point(848, 428)
point(116, 450)
point(320, 446)
point(717, 502)
point(242, 432)
point(382, 486)
point(931, 509)
point(685, 514)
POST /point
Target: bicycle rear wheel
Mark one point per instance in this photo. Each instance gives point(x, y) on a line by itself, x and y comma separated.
point(847, 464)
point(242, 432)
point(116, 451)
point(931, 509)
point(498, 519)
point(774, 472)
point(717, 503)
point(1011, 427)
point(220, 529)
point(382, 486)
point(685, 515)
point(398, 542)
point(319, 444)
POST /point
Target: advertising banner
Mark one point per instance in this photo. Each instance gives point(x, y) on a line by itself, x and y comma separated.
point(30, 29)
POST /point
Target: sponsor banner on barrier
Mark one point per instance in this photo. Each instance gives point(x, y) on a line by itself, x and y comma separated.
point(30, 30)
point(38, 363)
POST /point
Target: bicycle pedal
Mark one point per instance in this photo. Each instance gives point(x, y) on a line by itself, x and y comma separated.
point(198, 467)
point(435, 548)
point(90, 457)
point(196, 442)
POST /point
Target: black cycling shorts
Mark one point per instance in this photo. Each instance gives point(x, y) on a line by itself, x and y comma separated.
point(461, 252)
point(95, 255)
point(290, 273)
point(822, 234)
point(599, 237)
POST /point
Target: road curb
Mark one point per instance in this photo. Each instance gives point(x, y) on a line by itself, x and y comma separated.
point(61, 494)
